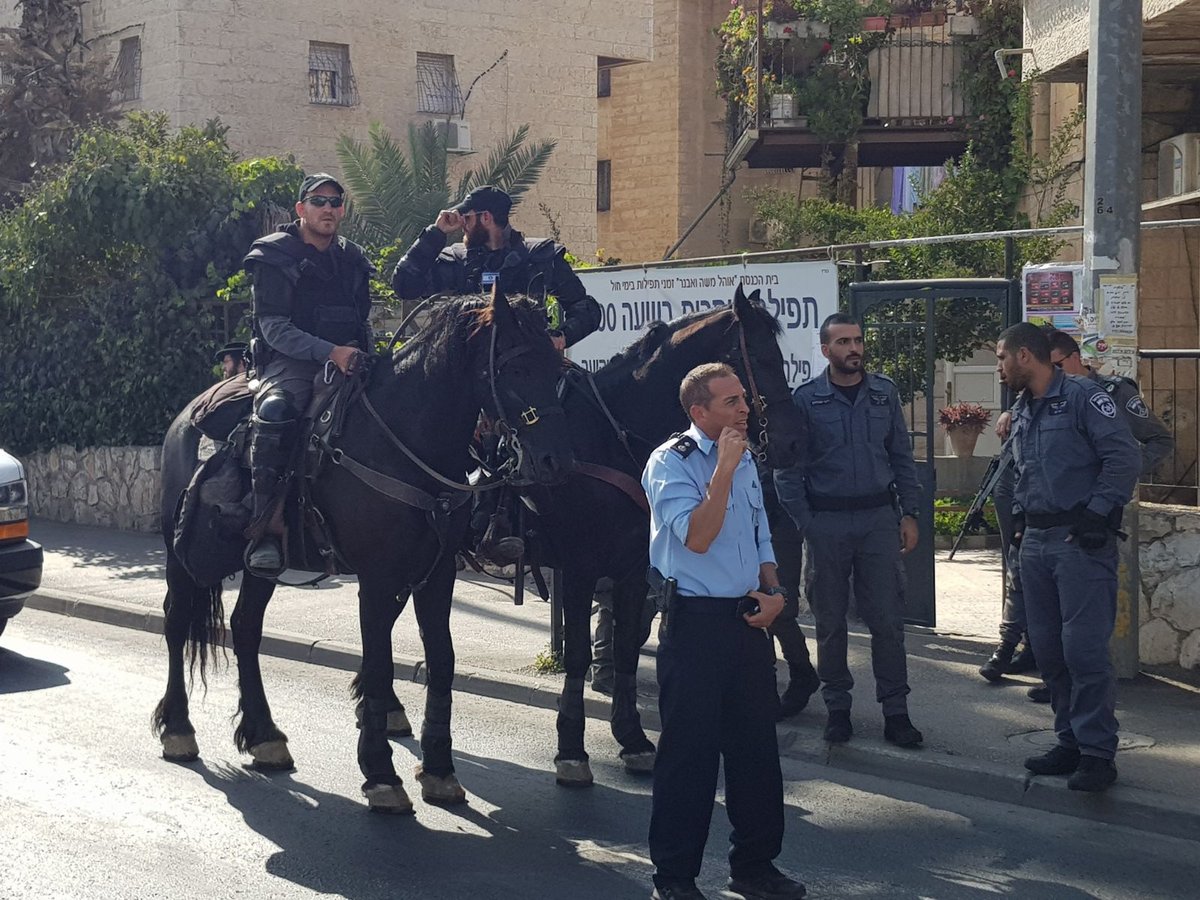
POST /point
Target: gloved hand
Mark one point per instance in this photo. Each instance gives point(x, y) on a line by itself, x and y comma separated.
point(1091, 531)
point(1018, 526)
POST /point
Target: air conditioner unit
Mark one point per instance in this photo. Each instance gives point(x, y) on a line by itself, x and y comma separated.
point(758, 232)
point(457, 134)
point(1179, 165)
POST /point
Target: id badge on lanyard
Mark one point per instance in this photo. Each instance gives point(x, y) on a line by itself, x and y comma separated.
point(487, 279)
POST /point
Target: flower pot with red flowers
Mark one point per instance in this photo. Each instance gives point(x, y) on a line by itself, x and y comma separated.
point(963, 422)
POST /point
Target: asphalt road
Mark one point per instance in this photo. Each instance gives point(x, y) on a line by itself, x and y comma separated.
point(89, 809)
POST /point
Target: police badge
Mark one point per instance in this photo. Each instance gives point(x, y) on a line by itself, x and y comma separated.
point(1104, 405)
point(1137, 406)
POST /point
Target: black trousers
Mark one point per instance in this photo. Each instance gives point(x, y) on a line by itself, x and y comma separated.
point(717, 700)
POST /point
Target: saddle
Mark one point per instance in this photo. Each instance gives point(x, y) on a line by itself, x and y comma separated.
point(214, 513)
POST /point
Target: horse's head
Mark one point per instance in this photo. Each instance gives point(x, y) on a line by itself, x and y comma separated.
point(515, 371)
point(754, 353)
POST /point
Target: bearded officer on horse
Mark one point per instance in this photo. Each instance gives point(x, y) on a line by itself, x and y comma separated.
point(311, 309)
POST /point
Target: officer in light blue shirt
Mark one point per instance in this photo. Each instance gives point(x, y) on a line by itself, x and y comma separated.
point(716, 663)
point(1076, 464)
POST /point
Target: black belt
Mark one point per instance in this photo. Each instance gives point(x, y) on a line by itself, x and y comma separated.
point(706, 606)
point(841, 504)
point(1051, 520)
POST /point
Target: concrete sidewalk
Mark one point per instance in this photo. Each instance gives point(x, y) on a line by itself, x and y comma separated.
point(977, 734)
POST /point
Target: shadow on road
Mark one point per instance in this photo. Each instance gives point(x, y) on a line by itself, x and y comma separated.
point(19, 674)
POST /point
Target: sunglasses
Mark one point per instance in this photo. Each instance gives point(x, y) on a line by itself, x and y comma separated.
point(318, 201)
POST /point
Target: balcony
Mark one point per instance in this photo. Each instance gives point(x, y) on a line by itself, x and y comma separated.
point(899, 85)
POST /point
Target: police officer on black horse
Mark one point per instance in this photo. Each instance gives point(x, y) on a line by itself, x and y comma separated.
point(492, 250)
point(311, 308)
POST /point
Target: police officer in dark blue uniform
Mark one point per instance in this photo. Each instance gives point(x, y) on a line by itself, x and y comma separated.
point(856, 461)
point(493, 250)
point(710, 540)
point(312, 305)
point(1077, 464)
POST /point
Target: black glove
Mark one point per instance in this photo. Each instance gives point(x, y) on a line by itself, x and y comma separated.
point(1091, 530)
point(1018, 528)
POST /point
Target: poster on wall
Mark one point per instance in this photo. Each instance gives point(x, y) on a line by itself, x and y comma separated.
point(1054, 294)
point(799, 294)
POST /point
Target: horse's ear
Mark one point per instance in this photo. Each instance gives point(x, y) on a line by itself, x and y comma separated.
point(742, 305)
point(502, 311)
point(739, 295)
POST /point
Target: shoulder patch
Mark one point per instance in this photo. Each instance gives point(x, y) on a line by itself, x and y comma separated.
point(882, 377)
point(1137, 406)
point(1104, 405)
point(684, 446)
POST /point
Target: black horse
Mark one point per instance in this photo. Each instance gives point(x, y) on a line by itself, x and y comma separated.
point(593, 525)
point(475, 354)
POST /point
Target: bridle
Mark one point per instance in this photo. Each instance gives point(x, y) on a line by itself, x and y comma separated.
point(529, 417)
point(757, 401)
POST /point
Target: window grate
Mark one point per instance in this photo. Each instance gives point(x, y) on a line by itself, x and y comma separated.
point(437, 85)
point(128, 75)
point(330, 77)
point(603, 185)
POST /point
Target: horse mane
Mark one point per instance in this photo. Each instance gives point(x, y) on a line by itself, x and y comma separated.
point(448, 328)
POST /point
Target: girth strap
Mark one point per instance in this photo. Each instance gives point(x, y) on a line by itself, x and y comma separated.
point(626, 484)
point(395, 488)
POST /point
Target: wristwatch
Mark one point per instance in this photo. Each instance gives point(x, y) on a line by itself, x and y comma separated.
point(779, 590)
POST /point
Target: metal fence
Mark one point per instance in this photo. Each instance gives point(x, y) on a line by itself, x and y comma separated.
point(1169, 383)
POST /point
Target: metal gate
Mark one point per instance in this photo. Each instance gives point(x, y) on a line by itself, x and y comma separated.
point(899, 323)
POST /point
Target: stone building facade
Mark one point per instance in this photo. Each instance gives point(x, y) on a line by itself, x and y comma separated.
point(291, 77)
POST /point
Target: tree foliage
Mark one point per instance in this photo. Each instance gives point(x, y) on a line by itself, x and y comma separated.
point(52, 84)
point(397, 192)
point(108, 279)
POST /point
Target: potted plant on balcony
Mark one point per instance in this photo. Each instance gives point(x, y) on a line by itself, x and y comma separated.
point(785, 97)
point(963, 422)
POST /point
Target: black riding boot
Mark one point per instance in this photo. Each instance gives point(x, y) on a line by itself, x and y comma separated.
point(499, 545)
point(270, 453)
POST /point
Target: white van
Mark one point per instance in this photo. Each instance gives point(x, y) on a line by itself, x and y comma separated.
point(20, 558)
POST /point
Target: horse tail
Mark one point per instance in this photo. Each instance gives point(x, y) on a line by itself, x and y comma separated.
point(206, 632)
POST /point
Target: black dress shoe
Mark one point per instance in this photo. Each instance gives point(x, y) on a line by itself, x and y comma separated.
point(900, 731)
point(677, 890)
point(799, 692)
point(1039, 694)
point(837, 727)
point(1094, 774)
point(1023, 661)
point(769, 885)
point(993, 670)
point(1059, 761)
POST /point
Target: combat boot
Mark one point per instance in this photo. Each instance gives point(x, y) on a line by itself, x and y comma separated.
point(1058, 761)
point(802, 684)
point(993, 670)
point(1093, 775)
point(1039, 694)
point(769, 885)
point(899, 730)
point(837, 727)
point(1023, 661)
point(271, 435)
point(677, 890)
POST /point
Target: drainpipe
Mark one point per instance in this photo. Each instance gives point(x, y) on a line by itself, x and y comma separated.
point(731, 174)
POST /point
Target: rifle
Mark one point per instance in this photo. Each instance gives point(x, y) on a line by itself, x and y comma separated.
point(974, 517)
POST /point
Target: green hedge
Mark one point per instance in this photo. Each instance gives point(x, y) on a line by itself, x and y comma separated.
point(109, 277)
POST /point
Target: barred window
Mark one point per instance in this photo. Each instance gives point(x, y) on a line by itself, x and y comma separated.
point(330, 78)
point(129, 70)
point(437, 85)
point(604, 81)
point(603, 185)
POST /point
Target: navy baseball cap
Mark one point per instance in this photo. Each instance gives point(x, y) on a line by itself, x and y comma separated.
point(314, 181)
point(485, 199)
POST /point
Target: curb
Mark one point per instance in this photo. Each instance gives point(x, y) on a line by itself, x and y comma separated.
point(1130, 807)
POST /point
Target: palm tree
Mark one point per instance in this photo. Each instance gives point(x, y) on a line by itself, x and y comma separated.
point(398, 194)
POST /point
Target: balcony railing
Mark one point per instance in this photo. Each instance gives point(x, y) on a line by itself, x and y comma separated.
point(913, 102)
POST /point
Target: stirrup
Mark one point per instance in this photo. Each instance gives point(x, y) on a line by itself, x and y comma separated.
point(504, 552)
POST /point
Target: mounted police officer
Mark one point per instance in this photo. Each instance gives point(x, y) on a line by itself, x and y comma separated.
point(1077, 465)
point(710, 548)
point(1156, 444)
point(311, 308)
point(493, 250)
point(841, 494)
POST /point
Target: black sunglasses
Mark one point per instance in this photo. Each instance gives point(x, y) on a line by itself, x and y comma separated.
point(318, 201)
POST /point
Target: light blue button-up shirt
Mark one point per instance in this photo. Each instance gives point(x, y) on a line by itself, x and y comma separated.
point(676, 483)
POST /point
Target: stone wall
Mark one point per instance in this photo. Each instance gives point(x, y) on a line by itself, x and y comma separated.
point(1169, 607)
point(113, 486)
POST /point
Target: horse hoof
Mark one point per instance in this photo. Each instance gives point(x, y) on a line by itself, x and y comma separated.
point(398, 724)
point(639, 763)
point(388, 798)
point(573, 773)
point(180, 748)
point(440, 791)
point(272, 755)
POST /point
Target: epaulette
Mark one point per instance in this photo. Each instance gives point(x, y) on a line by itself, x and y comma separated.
point(883, 377)
point(684, 444)
point(1112, 382)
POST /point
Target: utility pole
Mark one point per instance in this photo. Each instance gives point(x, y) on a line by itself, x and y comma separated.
point(1112, 210)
